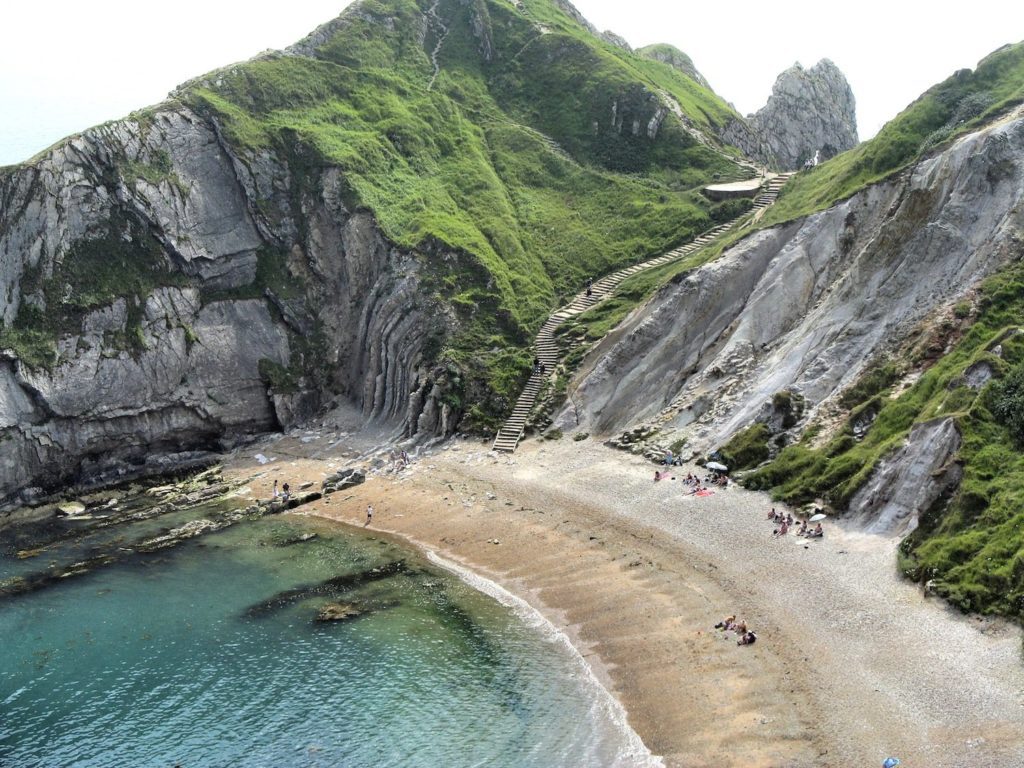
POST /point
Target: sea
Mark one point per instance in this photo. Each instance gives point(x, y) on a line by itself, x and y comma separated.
point(210, 654)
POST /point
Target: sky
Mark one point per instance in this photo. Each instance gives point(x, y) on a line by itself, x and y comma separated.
point(66, 65)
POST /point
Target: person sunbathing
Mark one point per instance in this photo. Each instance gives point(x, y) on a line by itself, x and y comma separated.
point(803, 529)
point(726, 623)
point(749, 638)
point(817, 533)
point(771, 513)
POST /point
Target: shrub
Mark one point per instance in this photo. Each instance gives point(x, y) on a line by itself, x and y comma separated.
point(748, 448)
point(1006, 401)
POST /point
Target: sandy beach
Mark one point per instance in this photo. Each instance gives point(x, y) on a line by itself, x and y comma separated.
point(852, 664)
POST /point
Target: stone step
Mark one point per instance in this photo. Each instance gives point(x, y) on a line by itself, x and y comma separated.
point(549, 352)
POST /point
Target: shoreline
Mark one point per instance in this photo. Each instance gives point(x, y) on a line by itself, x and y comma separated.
point(638, 754)
point(635, 582)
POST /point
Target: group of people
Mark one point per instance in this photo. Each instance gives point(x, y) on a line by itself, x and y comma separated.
point(284, 493)
point(695, 484)
point(400, 460)
point(786, 521)
point(539, 367)
point(730, 624)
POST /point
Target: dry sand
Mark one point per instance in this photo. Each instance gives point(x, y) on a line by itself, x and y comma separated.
point(852, 663)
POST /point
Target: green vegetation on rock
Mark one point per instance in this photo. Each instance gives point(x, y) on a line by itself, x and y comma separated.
point(125, 262)
point(961, 103)
point(467, 162)
point(747, 448)
point(970, 547)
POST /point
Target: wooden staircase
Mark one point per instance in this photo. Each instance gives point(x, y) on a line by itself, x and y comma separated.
point(546, 349)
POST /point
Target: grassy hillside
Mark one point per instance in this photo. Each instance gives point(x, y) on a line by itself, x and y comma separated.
point(466, 160)
point(965, 101)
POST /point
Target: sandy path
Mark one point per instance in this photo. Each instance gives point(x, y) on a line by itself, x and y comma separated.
point(852, 664)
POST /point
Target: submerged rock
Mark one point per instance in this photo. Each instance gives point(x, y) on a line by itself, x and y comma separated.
point(338, 612)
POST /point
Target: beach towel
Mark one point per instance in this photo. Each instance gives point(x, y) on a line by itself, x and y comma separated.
point(705, 493)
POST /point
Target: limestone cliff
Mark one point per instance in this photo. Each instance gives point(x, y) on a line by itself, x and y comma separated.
point(373, 219)
point(804, 307)
point(184, 295)
point(810, 117)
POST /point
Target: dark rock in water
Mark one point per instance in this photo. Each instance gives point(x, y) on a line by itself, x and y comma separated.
point(297, 539)
point(335, 586)
point(338, 612)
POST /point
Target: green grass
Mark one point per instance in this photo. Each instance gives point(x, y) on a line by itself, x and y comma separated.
point(970, 546)
point(747, 448)
point(460, 170)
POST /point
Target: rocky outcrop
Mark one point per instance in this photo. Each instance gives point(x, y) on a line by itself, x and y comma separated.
point(244, 298)
point(804, 307)
point(810, 117)
point(668, 54)
point(617, 40)
point(910, 480)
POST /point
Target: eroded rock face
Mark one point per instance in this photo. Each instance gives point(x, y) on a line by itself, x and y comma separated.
point(910, 479)
point(806, 306)
point(169, 354)
point(810, 117)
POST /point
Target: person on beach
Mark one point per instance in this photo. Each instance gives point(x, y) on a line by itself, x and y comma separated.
point(369, 514)
point(275, 490)
point(285, 493)
point(771, 513)
point(749, 638)
point(726, 623)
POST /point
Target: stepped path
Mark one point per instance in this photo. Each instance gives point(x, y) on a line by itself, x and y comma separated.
point(434, 19)
point(546, 349)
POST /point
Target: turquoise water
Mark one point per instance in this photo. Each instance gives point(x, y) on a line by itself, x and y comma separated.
point(208, 655)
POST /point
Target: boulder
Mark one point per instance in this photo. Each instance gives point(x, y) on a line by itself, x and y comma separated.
point(345, 478)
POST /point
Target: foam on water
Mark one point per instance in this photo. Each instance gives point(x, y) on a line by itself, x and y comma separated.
point(632, 752)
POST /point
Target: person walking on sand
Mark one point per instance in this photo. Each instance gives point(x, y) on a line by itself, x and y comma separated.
point(369, 514)
point(275, 489)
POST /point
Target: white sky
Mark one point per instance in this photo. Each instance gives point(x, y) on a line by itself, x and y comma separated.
point(66, 65)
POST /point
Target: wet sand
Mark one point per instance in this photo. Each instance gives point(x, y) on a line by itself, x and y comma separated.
point(852, 663)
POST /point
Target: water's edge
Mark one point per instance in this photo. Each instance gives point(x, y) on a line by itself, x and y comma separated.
point(637, 755)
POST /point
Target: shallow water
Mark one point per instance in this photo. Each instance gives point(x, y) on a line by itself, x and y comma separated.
point(208, 655)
